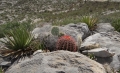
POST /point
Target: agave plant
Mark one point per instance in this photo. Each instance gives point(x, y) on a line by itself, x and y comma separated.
point(18, 43)
point(116, 24)
point(90, 21)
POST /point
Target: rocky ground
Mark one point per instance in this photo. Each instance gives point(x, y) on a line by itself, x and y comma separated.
point(58, 62)
point(54, 10)
point(102, 47)
point(102, 44)
point(20, 9)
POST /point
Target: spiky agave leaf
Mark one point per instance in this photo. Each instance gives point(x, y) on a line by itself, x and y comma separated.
point(19, 43)
point(16, 55)
point(90, 21)
point(21, 38)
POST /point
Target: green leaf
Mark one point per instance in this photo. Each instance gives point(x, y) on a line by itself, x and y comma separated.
point(20, 38)
point(90, 21)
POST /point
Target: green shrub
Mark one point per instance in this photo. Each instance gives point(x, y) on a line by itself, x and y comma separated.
point(90, 21)
point(18, 44)
point(21, 38)
point(66, 21)
point(92, 56)
point(116, 24)
point(4, 28)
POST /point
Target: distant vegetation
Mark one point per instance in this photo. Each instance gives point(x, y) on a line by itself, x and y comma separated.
point(5, 28)
point(60, 12)
point(52, 11)
point(116, 24)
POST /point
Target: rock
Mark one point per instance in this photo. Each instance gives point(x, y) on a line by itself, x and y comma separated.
point(49, 41)
point(108, 68)
point(45, 28)
point(57, 62)
point(5, 64)
point(84, 28)
point(90, 45)
point(3, 41)
point(71, 29)
point(71, 25)
point(80, 28)
point(104, 27)
point(110, 40)
point(2, 45)
point(99, 52)
point(36, 32)
point(1, 59)
point(4, 61)
point(105, 0)
point(38, 51)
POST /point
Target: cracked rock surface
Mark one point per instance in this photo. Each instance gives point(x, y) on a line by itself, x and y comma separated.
point(57, 62)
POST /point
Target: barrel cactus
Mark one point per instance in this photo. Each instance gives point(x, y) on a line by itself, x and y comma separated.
point(55, 31)
point(66, 42)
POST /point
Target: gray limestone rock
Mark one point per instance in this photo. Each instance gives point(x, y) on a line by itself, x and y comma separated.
point(104, 27)
point(99, 52)
point(75, 29)
point(5, 63)
point(57, 62)
point(110, 40)
point(71, 29)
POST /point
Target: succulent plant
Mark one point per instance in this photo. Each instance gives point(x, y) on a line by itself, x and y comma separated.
point(66, 42)
point(55, 31)
point(61, 34)
point(90, 21)
point(19, 45)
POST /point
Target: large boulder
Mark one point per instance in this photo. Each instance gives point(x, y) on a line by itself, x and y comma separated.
point(104, 27)
point(38, 32)
point(109, 40)
point(70, 29)
point(57, 62)
point(74, 30)
point(99, 52)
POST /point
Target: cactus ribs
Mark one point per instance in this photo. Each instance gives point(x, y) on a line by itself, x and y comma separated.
point(66, 42)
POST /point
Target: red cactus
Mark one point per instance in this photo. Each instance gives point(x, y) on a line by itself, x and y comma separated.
point(66, 42)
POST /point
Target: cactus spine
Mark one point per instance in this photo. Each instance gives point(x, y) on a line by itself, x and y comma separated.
point(66, 43)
